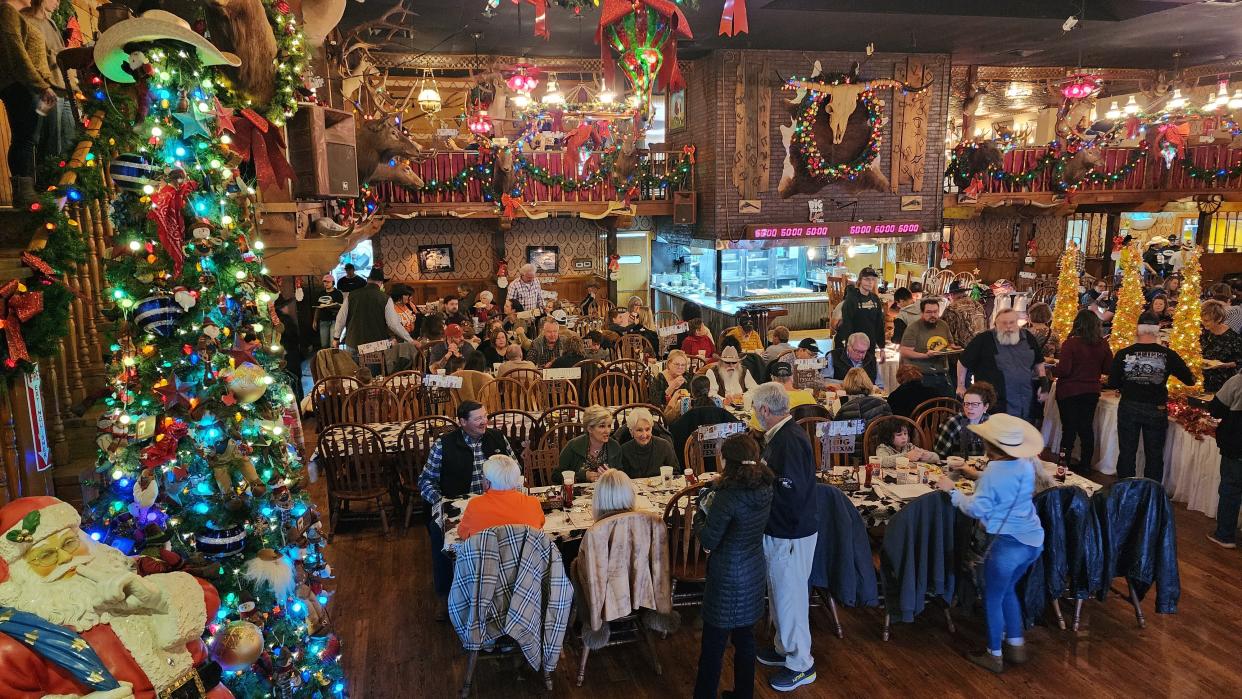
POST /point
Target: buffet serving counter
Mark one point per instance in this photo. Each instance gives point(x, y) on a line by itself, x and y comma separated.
point(797, 309)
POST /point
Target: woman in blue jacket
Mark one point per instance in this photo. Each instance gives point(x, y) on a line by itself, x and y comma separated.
point(1004, 505)
point(731, 520)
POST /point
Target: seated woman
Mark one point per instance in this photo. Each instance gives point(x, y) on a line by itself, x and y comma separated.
point(502, 501)
point(699, 341)
point(495, 348)
point(573, 351)
point(483, 308)
point(614, 495)
point(910, 391)
point(672, 378)
point(954, 439)
point(1159, 307)
point(895, 441)
point(644, 454)
point(860, 403)
point(592, 454)
point(1039, 323)
point(698, 395)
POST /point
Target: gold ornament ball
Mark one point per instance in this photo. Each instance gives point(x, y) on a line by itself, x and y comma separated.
point(237, 645)
point(246, 382)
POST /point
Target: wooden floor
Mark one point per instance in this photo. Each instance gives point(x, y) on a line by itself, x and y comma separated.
point(383, 611)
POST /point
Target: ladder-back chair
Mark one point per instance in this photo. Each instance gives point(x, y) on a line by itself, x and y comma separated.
point(507, 394)
point(633, 345)
point(328, 398)
point(635, 370)
point(357, 469)
point(519, 427)
point(613, 388)
point(930, 422)
point(552, 392)
point(687, 559)
point(590, 368)
point(370, 404)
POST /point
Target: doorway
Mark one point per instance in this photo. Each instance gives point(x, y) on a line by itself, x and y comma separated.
point(634, 277)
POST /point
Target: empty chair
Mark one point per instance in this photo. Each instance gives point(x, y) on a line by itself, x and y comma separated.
point(507, 394)
point(501, 567)
point(371, 404)
point(809, 410)
point(328, 398)
point(635, 370)
point(613, 388)
point(542, 467)
point(687, 559)
point(402, 381)
point(590, 369)
point(634, 346)
point(519, 427)
point(552, 392)
point(357, 470)
point(527, 377)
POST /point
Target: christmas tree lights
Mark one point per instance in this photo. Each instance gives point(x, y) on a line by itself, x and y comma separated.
point(1184, 338)
point(196, 449)
point(1067, 293)
point(1129, 300)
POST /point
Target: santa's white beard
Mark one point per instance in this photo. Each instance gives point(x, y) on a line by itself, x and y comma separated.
point(75, 601)
point(1008, 338)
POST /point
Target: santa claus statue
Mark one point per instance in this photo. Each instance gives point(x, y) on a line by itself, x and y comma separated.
point(76, 621)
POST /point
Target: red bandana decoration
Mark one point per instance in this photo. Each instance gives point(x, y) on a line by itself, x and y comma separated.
point(167, 203)
point(511, 204)
point(733, 19)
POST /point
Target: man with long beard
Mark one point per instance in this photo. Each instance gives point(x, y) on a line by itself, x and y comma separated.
point(1010, 359)
point(729, 379)
point(77, 621)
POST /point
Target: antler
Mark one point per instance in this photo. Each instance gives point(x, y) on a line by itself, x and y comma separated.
point(398, 18)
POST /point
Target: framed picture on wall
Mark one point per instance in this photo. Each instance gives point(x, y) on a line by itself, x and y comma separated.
point(676, 110)
point(545, 258)
point(435, 258)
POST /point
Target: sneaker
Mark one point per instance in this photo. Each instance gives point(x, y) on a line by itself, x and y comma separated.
point(787, 680)
point(769, 657)
point(1015, 654)
point(1223, 544)
point(987, 661)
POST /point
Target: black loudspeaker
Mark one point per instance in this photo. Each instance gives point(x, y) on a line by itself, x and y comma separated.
point(685, 207)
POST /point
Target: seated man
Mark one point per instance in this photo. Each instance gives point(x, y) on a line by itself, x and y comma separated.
point(781, 373)
point(502, 502)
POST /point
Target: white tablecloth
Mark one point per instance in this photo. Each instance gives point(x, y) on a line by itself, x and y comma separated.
point(1191, 466)
point(886, 371)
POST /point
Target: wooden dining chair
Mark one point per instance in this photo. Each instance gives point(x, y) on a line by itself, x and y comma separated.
point(560, 413)
point(507, 394)
point(621, 412)
point(635, 370)
point(665, 319)
point(634, 346)
point(698, 453)
point(811, 426)
point(687, 559)
point(556, 436)
point(518, 426)
point(603, 309)
point(871, 437)
point(698, 365)
point(901, 280)
point(527, 377)
point(951, 403)
point(402, 381)
point(413, 445)
point(553, 392)
point(371, 404)
point(590, 369)
point(357, 470)
point(799, 412)
point(541, 467)
point(328, 398)
point(930, 422)
point(613, 388)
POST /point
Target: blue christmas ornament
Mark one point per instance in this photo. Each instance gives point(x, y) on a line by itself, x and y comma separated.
point(158, 315)
point(131, 172)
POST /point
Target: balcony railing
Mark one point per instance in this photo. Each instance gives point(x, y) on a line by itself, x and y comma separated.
point(553, 166)
point(1149, 173)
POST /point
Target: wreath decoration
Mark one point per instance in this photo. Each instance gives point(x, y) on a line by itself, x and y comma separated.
point(807, 151)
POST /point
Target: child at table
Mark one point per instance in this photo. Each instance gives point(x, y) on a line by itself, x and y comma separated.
point(895, 441)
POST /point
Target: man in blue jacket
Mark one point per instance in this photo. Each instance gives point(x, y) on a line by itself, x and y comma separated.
point(789, 540)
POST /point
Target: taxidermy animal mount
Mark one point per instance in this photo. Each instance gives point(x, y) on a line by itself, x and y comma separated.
point(241, 26)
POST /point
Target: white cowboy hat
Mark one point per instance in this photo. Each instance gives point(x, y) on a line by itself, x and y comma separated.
point(153, 25)
point(1158, 240)
point(1014, 436)
point(729, 355)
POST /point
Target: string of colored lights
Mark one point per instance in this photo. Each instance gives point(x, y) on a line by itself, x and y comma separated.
point(807, 151)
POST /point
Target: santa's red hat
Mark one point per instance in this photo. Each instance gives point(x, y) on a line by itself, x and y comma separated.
point(25, 522)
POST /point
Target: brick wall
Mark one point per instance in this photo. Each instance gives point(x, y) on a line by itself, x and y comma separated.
point(709, 105)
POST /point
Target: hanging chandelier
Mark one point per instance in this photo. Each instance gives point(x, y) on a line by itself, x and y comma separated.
point(428, 96)
point(553, 96)
point(1078, 87)
point(480, 124)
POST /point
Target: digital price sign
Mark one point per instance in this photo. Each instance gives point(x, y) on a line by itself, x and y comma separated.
point(832, 229)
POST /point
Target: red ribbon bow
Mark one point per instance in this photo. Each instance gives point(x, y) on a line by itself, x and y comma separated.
point(1171, 133)
point(257, 142)
point(16, 307)
point(163, 450)
point(510, 203)
point(733, 19)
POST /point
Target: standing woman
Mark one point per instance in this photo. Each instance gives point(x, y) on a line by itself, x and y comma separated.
point(1085, 356)
point(58, 127)
point(862, 311)
point(406, 312)
point(1004, 504)
point(24, 81)
point(731, 518)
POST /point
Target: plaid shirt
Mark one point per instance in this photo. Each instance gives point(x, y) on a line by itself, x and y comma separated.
point(529, 295)
point(510, 581)
point(955, 440)
point(429, 480)
point(541, 354)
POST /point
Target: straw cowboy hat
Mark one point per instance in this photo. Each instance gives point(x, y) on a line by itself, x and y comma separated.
point(1014, 436)
point(153, 25)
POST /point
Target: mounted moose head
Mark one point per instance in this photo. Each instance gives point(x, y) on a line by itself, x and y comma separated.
point(241, 26)
point(1080, 164)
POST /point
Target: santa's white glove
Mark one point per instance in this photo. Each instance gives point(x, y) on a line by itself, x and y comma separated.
point(125, 691)
point(140, 594)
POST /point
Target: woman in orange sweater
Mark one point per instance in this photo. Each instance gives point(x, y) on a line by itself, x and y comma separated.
point(502, 502)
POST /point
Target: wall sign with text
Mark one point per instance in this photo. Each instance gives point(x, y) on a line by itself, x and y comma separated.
point(832, 229)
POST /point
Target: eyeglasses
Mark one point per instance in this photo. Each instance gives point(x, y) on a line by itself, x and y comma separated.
point(973, 404)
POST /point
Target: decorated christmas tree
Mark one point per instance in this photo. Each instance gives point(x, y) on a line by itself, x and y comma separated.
point(198, 468)
point(1129, 300)
point(1184, 338)
point(1067, 293)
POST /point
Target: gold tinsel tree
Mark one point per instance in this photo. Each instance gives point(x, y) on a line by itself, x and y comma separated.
point(1129, 300)
point(1184, 338)
point(1067, 293)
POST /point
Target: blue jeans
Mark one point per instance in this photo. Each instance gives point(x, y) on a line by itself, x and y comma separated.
point(1230, 499)
point(1008, 560)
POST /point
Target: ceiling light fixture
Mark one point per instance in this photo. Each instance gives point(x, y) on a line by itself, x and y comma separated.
point(605, 95)
point(1114, 112)
point(1235, 102)
point(553, 96)
point(429, 96)
point(1132, 106)
point(1177, 102)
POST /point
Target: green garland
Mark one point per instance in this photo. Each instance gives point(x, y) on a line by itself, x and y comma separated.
point(1209, 173)
point(290, 60)
point(1055, 155)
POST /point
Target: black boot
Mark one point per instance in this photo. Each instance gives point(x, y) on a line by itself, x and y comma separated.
point(23, 192)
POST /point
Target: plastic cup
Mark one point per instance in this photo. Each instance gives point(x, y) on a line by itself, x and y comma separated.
point(902, 462)
point(567, 477)
point(666, 472)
